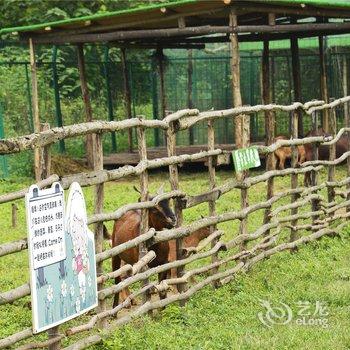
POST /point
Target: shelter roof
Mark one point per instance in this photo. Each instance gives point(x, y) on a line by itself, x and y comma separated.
point(180, 16)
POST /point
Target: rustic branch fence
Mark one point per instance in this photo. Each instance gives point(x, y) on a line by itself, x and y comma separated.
point(309, 215)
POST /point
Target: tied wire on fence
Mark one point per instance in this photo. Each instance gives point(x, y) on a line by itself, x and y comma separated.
point(307, 216)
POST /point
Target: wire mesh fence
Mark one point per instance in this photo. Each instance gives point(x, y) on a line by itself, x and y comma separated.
point(201, 80)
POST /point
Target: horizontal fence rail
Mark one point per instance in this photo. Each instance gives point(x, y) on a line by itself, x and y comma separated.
point(292, 217)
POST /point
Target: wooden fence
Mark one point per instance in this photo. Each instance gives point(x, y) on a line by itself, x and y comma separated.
point(308, 216)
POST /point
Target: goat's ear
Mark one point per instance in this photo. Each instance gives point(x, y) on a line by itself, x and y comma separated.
point(136, 189)
point(160, 189)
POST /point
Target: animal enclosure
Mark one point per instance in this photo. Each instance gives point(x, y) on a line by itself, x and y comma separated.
point(292, 216)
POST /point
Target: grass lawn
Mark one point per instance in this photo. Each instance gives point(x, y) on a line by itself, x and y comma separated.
point(319, 274)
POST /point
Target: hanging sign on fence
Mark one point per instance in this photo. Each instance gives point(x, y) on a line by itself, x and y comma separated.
point(61, 256)
point(246, 158)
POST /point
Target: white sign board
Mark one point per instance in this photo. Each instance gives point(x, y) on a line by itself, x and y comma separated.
point(61, 255)
point(46, 225)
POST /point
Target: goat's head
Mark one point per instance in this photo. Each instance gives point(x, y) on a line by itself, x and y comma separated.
point(161, 215)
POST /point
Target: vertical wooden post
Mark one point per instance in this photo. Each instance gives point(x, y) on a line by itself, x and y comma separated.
point(314, 174)
point(241, 122)
point(323, 83)
point(332, 153)
point(127, 94)
point(212, 183)
point(297, 80)
point(189, 91)
point(98, 208)
point(45, 156)
point(346, 119)
point(87, 105)
point(294, 177)
point(35, 107)
point(53, 333)
point(142, 148)
point(174, 182)
point(269, 117)
point(14, 208)
point(44, 172)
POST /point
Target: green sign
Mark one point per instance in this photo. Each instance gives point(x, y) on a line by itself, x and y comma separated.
point(246, 158)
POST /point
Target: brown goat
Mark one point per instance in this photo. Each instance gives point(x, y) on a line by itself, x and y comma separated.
point(284, 153)
point(190, 241)
point(323, 150)
point(128, 227)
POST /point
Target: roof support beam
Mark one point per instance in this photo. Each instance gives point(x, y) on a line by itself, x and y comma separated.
point(194, 31)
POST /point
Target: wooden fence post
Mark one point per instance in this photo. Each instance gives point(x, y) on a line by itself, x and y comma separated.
point(212, 184)
point(269, 118)
point(14, 208)
point(314, 175)
point(144, 225)
point(332, 153)
point(174, 182)
point(127, 94)
point(294, 177)
point(35, 107)
point(45, 156)
point(241, 122)
point(98, 208)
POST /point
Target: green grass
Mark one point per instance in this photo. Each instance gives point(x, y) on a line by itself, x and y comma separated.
point(226, 318)
point(213, 319)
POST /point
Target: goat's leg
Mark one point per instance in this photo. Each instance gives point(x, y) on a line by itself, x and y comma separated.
point(115, 266)
point(307, 179)
point(125, 293)
point(162, 276)
point(281, 163)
